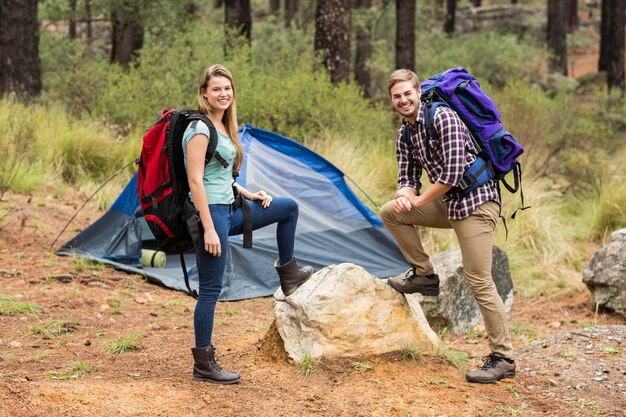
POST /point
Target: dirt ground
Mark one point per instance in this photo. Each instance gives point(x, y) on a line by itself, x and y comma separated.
point(54, 362)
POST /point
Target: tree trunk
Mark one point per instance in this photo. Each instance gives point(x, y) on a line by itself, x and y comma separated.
point(127, 33)
point(572, 16)
point(557, 29)
point(291, 8)
point(405, 34)
point(605, 26)
point(448, 24)
point(362, 75)
point(72, 23)
point(274, 6)
point(332, 37)
point(238, 15)
point(615, 47)
point(20, 67)
point(89, 27)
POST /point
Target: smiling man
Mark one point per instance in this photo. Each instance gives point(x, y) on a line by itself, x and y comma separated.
point(473, 216)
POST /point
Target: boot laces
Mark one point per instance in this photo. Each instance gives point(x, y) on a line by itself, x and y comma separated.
point(490, 361)
point(410, 275)
point(215, 365)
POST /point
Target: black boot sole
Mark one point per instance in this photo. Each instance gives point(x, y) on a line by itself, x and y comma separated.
point(428, 291)
point(509, 375)
point(214, 381)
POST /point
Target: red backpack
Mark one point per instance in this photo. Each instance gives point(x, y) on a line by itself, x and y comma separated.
point(162, 181)
point(163, 187)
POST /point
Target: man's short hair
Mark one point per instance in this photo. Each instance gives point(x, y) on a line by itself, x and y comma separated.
point(402, 75)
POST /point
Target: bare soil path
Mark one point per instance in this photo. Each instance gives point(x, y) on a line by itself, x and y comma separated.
point(54, 362)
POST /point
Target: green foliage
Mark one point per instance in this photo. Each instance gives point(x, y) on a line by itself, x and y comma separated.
point(564, 137)
point(493, 58)
point(17, 143)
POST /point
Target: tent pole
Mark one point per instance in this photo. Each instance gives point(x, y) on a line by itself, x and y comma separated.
point(90, 197)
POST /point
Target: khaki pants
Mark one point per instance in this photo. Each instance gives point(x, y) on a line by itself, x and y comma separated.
point(475, 235)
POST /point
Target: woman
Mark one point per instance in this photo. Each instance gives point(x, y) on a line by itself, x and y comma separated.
point(212, 195)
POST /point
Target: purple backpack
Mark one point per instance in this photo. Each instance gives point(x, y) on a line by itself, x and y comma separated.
point(498, 150)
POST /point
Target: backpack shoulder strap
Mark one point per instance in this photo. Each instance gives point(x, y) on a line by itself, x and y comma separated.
point(430, 109)
point(210, 151)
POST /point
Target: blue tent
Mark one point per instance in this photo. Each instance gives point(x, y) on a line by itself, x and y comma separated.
point(334, 225)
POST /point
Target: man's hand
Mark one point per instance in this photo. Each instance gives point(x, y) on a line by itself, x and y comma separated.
point(402, 204)
point(405, 200)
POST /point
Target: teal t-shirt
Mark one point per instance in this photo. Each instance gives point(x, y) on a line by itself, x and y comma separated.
point(217, 179)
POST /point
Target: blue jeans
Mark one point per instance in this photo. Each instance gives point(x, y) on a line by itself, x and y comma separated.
point(229, 222)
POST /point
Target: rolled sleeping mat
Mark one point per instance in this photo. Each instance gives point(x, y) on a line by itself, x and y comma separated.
point(153, 258)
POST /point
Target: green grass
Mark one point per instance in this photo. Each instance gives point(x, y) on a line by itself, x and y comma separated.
point(53, 328)
point(306, 365)
point(455, 357)
point(412, 353)
point(363, 367)
point(123, 344)
point(74, 371)
point(85, 264)
point(115, 305)
point(11, 306)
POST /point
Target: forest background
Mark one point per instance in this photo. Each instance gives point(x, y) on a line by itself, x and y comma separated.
point(92, 111)
point(64, 323)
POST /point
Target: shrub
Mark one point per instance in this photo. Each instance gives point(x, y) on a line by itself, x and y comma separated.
point(17, 142)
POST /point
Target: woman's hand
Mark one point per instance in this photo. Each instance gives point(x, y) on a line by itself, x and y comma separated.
point(212, 242)
point(265, 198)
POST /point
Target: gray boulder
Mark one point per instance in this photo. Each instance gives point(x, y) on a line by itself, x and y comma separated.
point(605, 275)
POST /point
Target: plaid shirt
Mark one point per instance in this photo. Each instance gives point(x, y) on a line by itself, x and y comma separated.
point(444, 158)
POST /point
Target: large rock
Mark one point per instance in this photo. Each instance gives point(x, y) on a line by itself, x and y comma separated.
point(342, 310)
point(605, 275)
point(455, 308)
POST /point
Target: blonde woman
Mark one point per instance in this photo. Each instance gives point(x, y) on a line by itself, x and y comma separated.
point(212, 195)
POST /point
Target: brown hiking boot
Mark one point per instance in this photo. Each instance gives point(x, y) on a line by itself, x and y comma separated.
point(494, 368)
point(412, 283)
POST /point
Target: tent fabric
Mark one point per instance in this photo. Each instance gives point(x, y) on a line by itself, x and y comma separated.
point(334, 225)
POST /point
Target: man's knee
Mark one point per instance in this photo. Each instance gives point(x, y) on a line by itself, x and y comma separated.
point(387, 212)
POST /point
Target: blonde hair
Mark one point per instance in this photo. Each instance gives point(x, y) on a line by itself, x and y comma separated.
point(230, 115)
point(402, 75)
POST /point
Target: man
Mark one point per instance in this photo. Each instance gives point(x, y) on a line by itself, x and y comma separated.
point(473, 217)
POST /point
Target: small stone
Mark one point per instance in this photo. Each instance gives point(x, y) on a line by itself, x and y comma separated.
point(552, 383)
point(104, 308)
point(480, 329)
point(15, 344)
point(556, 324)
point(87, 342)
point(144, 298)
point(207, 399)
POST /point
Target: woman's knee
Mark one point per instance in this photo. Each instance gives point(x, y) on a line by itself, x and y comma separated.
point(289, 205)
